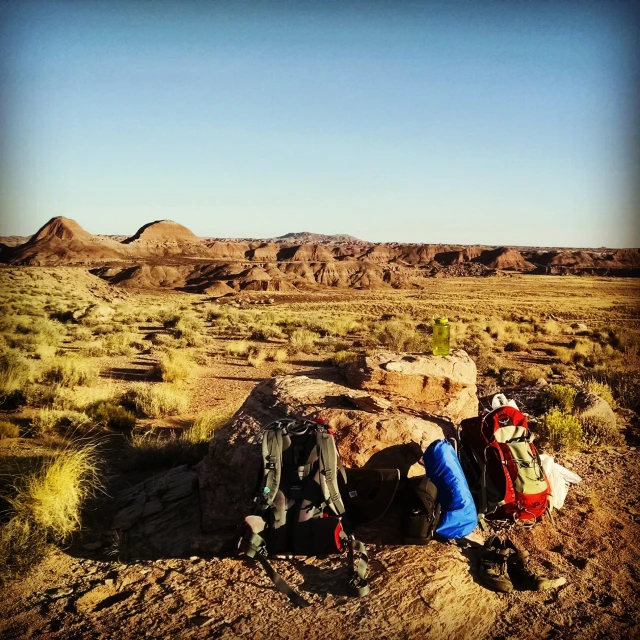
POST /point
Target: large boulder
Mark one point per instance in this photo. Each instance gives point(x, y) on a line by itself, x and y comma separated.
point(385, 429)
point(443, 385)
point(589, 406)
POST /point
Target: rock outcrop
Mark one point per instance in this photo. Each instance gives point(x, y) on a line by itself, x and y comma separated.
point(589, 406)
point(375, 426)
point(444, 386)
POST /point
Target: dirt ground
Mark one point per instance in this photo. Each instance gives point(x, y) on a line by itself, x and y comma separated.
point(88, 590)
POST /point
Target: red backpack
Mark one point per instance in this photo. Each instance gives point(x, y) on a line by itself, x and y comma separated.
point(501, 455)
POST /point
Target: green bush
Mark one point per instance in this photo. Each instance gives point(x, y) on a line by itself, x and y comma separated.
point(560, 396)
point(560, 430)
point(510, 377)
point(109, 414)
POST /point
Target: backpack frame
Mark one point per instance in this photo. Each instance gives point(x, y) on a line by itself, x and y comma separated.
point(298, 507)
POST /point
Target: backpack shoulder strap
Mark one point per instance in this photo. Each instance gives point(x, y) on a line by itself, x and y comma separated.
point(271, 462)
point(329, 466)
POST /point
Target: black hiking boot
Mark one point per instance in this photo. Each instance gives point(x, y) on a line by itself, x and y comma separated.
point(523, 575)
point(493, 565)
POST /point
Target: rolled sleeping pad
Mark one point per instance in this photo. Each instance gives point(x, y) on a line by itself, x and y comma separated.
point(458, 516)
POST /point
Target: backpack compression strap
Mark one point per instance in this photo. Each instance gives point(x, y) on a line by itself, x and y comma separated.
point(329, 465)
point(252, 544)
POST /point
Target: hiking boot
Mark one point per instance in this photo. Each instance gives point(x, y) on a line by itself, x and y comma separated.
point(523, 575)
point(493, 565)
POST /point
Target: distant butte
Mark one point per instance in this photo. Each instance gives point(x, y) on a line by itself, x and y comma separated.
point(165, 254)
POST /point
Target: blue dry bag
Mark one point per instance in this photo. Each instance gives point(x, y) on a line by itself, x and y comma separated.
point(458, 517)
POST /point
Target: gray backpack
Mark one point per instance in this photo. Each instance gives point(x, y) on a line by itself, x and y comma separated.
point(298, 507)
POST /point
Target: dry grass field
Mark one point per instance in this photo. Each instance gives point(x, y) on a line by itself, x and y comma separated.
point(100, 388)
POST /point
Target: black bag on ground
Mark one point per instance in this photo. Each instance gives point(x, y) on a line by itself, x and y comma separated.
point(299, 508)
point(420, 510)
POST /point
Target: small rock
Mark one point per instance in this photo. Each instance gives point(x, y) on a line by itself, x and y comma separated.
point(109, 582)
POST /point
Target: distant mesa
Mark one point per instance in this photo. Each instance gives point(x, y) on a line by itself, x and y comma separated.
point(63, 241)
point(505, 259)
point(163, 232)
point(307, 236)
point(167, 255)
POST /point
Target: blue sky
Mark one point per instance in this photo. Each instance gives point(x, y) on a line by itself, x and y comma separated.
point(496, 123)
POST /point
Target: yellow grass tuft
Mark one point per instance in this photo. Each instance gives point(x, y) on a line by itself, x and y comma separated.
point(155, 400)
point(174, 366)
point(51, 498)
point(207, 422)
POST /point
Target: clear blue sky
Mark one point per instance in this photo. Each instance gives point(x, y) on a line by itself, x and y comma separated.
point(497, 123)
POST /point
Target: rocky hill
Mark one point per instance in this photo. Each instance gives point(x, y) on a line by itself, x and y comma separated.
point(168, 255)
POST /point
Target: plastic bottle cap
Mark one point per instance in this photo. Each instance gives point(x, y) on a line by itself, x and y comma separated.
point(441, 321)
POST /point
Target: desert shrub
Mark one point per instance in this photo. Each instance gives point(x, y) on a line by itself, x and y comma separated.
point(207, 422)
point(510, 377)
point(597, 431)
point(268, 332)
point(109, 414)
point(70, 371)
point(38, 332)
point(94, 349)
point(399, 336)
point(50, 500)
point(516, 345)
point(187, 328)
point(303, 340)
point(22, 544)
point(496, 329)
point(122, 344)
point(489, 364)
point(278, 355)
point(239, 348)
point(157, 450)
point(624, 384)
point(8, 430)
point(476, 343)
point(49, 420)
point(602, 390)
point(15, 371)
point(560, 430)
point(174, 366)
point(533, 373)
point(341, 357)
point(257, 357)
point(560, 396)
point(155, 400)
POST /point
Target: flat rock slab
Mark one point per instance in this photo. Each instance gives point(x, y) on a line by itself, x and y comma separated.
point(443, 385)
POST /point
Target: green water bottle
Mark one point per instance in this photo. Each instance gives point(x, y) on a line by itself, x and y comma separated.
point(441, 336)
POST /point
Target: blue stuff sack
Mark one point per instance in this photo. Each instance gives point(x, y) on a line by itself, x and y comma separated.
point(458, 515)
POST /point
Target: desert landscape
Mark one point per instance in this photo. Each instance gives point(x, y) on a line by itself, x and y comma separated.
point(135, 371)
point(319, 320)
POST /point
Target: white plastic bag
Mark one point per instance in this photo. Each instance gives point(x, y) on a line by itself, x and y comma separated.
point(500, 400)
point(559, 478)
